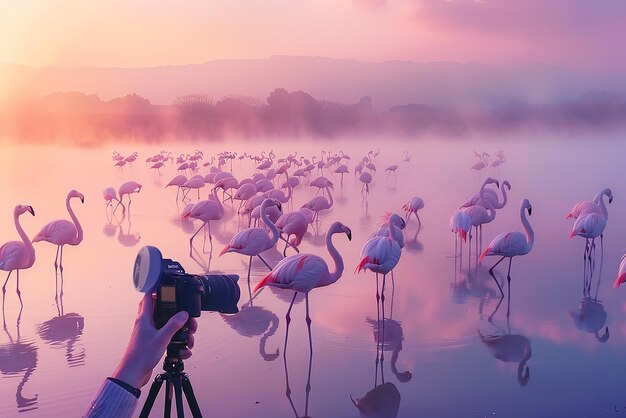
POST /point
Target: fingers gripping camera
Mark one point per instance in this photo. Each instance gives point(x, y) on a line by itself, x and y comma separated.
point(178, 291)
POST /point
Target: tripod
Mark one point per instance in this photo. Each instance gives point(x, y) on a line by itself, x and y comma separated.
point(174, 376)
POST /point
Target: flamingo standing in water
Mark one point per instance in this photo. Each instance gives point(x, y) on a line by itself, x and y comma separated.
point(412, 206)
point(304, 272)
point(490, 197)
point(178, 181)
point(206, 211)
point(292, 223)
point(17, 255)
point(63, 232)
point(381, 254)
point(510, 244)
point(253, 241)
point(597, 205)
point(127, 188)
point(480, 214)
point(366, 179)
point(319, 203)
point(110, 195)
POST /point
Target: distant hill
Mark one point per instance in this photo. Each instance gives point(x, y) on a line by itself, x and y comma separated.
point(392, 83)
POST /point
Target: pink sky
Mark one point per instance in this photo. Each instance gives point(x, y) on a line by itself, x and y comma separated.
point(582, 34)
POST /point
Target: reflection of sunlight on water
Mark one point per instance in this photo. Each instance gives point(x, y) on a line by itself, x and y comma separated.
point(439, 312)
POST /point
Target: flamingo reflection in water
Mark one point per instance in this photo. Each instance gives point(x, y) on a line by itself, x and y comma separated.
point(383, 401)
point(19, 356)
point(252, 321)
point(126, 238)
point(591, 318)
point(509, 245)
point(65, 329)
point(510, 348)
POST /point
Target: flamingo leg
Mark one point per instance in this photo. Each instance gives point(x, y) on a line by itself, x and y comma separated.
point(494, 277)
point(17, 288)
point(4, 289)
point(61, 271)
point(249, 267)
point(377, 298)
point(288, 321)
point(193, 236)
point(508, 279)
point(382, 344)
point(308, 324)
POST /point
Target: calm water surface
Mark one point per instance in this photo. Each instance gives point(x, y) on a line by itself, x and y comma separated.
point(442, 355)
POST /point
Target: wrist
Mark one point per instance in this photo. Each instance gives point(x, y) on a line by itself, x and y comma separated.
point(127, 374)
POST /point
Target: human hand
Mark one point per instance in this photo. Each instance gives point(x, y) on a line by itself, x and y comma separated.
point(147, 344)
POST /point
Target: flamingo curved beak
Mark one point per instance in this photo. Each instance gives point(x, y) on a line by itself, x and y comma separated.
point(349, 234)
point(530, 210)
point(31, 210)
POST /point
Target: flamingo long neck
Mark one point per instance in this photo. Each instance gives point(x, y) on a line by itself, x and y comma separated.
point(271, 226)
point(22, 234)
point(394, 232)
point(219, 202)
point(336, 274)
point(289, 188)
point(504, 197)
point(331, 197)
point(530, 234)
point(600, 200)
point(492, 211)
point(79, 229)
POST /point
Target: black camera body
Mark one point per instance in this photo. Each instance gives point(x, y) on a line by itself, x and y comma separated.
point(178, 291)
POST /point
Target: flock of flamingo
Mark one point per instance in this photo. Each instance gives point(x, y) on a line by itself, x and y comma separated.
point(262, 203)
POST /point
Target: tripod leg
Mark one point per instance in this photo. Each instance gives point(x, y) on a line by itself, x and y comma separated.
point(167, 411)
point(191, 398)
point(178, 395)
point(154, 391)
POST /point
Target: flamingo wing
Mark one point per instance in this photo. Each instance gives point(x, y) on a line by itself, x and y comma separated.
point(58, 232)
point(13, 254)
point(507, 244)
point(589, 225)
point(250, 241)
point(298, 272)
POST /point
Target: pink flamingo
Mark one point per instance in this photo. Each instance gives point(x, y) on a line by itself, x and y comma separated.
point(206, 211)
point(17, 255)
point(510, 244)
point(597, 205)
point(392, 169)
point(110, 195)
point(412, 206)
point(381, 255)
point(342, 169)
point(481, 215)
point(63, 232)
point(490, 196)
point(386, 222)
point(253, 241)
point(178, 181)
point(322, 183)
point(460, 225)
point(196, 182)
point(292, 223)
point(482, 163)
point(319, 203)
point(304, 272)
point(589, 225)
point(366, 179)
point(127, 188)
point(621, 274)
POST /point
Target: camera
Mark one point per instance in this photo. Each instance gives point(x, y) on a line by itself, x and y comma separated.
point(178, 291)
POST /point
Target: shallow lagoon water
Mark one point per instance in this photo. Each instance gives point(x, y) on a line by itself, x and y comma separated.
point(444, 357)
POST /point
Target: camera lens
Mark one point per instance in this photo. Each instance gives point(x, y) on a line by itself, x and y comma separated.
point(221, 293)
